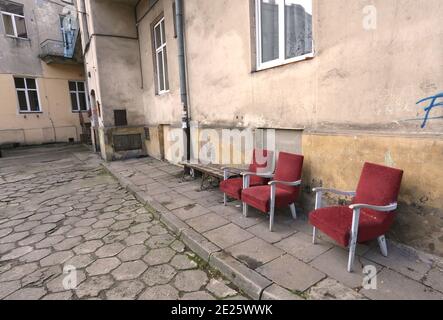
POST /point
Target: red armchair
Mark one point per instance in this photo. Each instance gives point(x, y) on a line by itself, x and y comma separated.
point(369, 217)
point(282, 191)
point(232, 187)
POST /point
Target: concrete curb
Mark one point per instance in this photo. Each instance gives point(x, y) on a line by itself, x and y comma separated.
point(249, 281)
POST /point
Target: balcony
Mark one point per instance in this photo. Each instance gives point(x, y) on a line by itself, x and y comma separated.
point(62, 52)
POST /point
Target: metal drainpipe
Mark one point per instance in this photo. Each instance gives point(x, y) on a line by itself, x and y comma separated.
point(182, 72)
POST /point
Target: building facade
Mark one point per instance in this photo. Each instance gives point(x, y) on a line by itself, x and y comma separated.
point(43, 95)
point(342, 82)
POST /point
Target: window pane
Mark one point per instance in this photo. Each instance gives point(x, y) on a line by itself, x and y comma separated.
point(298, 28)
point(165, 57)
point(157, 37)
point(269, 30)
point(31, 83)
point(82, 101)
point(80, 86)
point(21, 27)
point(161, 85)
point(33, 100)
point(19, 83)
point(72, 86)
point(74, 101)
point(9, 28)
point(22, 100)
point(163, 32)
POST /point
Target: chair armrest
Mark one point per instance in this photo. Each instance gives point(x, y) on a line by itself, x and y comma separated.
point(286, 183)
point(339, 192)
point(387, 208)
point(261, 175)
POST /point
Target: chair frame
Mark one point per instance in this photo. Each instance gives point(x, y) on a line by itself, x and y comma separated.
point(273, 184)
point(355, 221)
point(227, 171)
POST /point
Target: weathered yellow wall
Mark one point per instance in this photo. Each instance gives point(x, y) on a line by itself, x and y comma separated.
point(55, 123)
point(336, 161)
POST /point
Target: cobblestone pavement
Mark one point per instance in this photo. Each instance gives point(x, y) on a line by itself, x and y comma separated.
point(59, 210)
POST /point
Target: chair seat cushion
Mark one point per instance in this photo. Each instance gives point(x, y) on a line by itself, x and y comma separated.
point(233, 187)
point(336, 222)
point(260, 197)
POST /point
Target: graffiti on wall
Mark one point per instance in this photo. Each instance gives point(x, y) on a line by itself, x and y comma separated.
point(432, 102)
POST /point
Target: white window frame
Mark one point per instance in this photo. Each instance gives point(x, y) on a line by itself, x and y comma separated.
point(26, 90)
point(78, 97)
point(281, 39)
point(157, 50)
point(13, 15)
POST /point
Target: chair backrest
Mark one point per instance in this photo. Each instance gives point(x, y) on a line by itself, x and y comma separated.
point(289, 168)
point(378, 185)
point(261, 160)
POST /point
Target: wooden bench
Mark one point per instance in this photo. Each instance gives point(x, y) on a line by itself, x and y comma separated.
point(210, 173)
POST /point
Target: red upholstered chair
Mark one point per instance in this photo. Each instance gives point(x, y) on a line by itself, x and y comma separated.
point(369, 217)
point(282, 191)
point(262, 160)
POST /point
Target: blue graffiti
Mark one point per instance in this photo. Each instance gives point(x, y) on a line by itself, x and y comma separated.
point(433, 104)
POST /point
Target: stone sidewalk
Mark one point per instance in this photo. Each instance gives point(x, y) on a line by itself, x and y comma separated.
point(283, 264)
point(59, 208)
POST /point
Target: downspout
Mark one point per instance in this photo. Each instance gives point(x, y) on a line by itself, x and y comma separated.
point(182, 74)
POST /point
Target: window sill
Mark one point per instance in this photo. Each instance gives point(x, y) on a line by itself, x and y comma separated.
point(17, 38)
point(162, 93)
point(30, 112)
point(80, 111)
point(284, 63)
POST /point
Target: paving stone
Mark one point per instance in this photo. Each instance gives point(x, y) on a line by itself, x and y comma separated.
point(121, 225)
point(178, 246)
point(159, 256)
point(275, 292)
point(401, 260)
point(43, 228)
point(207, 222)
point(16, 253)
point(92, 286)
point(26, 226)
point(62, 230)
point(27, 294)
point(160, 241)
point(103, 223)
point(80, 261)
point(31, 239)
point(86, 222)
point(53, 218)
point(140, 227)
point(300, 246)
point(190, 211)
point(334, 264)
point(280, 232)
point(58, 284)
point(133, 252)
point(330, 289)
point(228, 235)
point(35, 255)
point(190, 280)
point(18, 272)
point(109, 250)
point(157, 230)
point(129, 270)
point(62, 210)
point(68, 244)
point(39, 277)
point(434, 279)
point(96, 234)
point(88, 246)
point(161, 274)
point(11, 223)
point(219, 289)
point(199, 295)
point(255, 252)
point(6, 288)
point(115, 236)
point(395, 286)
point(125, 290)
point(49, 241)
point(56, 258)
point(291, 273)
point(13, 237)
point(161, 292)
point(183, 262)
point(4, 248)
point(137, 238)
point(79, 231)
point(103, 266)
point(59, 296)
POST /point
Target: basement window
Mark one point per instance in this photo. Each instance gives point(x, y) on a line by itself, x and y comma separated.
point(79, 100)
point(27, 94)
point(283, 32)
point(161, 61)
point(13, 19)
